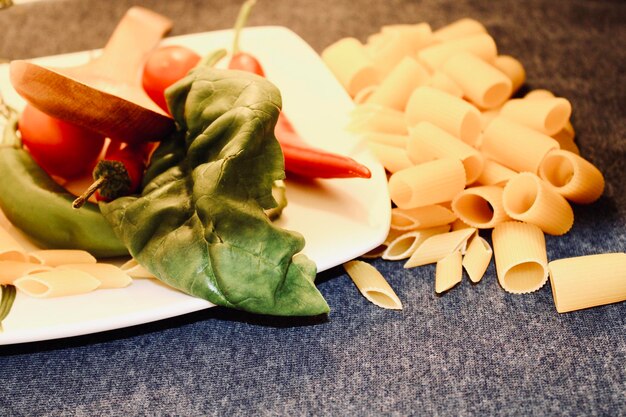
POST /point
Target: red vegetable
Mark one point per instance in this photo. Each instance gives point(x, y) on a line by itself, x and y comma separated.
point(165, 66)
point(60, 148)
point(300, 158)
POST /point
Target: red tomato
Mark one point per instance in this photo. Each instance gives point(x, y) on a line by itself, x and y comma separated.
point(60, 148)
point(165, 66)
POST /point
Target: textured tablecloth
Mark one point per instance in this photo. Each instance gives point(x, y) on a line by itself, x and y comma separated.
point(477, 350)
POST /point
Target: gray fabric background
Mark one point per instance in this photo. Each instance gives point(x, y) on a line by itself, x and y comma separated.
point(475, 351)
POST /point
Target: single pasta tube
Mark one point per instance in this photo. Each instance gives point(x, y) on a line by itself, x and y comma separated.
point(515, 146)
point(56, 283)
point(452, 114)
point(546, 115)
point(477, 258)
point(378, 119)
point(421, 217)
point(403, 246)
point(12, 270)
point(459, 29)
point(56, 257)
point(349, 62)
point(437, 142)
point(417, 35)
point(480, 207)
point(389, 139)
point(134, 269)
point(482, 83)
point(10, 249)
point(513, 69)
point(439, 246)
point(428, 183)
point(441, 81)
point(572, 176)
point(481, 45)
point(110, 276)
point(448, 272)
point(396, 88)
point(539, 93)
point(372, 285)
point(495, 174)
point(588, 281)
point(394, 159)
point(520, 255)
point(528, 198)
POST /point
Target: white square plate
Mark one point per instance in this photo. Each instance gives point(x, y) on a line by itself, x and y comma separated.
point(340, 218)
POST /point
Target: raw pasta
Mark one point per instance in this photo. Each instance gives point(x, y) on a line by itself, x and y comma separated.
point(386, 139)
point(480, 207)
point(528, 198)
point(588, 281)
point(403, 246)
point(387, 54)
point(495, 174)
point(110, 276)
point(448, 272)
point(439, 246)
point(441, 81)
point(421, 217)
point(56, 257)
point(394, 159)
point(134, 269)
point(481, 45)
point(395, 89)
point(417, 35)
point(513, 69)
point(56, 283)
point(459, 29)
point(546, 115)
point(452, 114)
point(428, 183)
point(349, 62)
point(372, 285)
point(572, 176)
point(12, 270)
point(10, 249)
point(378, 119)
point(477, 258)
point(520, 255)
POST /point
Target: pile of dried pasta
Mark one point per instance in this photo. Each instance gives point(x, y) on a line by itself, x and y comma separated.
point(437, 110)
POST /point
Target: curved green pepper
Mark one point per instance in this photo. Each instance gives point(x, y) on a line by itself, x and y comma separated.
point(42, 209)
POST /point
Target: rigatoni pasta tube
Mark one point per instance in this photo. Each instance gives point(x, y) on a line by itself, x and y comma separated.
point(459, 29)
point(57, 283)
point(377, 119)
point(588, 281)
point(482, 83)
point(515, 146)
point(513, 69)
point(480, 207)
point(386, 55)
point(417, 35)
point(452, 114)
point(349, 62)
point(528, 198)
point(428, 183)
point(437, 142)
point(546, 115)
point(448, 272)
point(481, 45)
point(520, 254)
point(372, 285)
point(10, 249)
point(396, 88)
point(441, 81)
point(495, 174)
point(477, 258)
point(572, 176)
point(394, 159)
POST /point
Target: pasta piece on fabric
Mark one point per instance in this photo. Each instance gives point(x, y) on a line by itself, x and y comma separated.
point(372, 285)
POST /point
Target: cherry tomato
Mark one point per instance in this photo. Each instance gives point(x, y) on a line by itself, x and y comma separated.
point(165, 66)
point(59, 147)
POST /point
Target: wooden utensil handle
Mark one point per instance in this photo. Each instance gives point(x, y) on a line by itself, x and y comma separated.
point(136, 35)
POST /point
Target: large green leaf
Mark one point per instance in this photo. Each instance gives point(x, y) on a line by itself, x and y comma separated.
point(199, 223)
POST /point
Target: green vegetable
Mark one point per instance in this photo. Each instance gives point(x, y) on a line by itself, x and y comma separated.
point(7, 296)
point(41, 208)
point(199, 223)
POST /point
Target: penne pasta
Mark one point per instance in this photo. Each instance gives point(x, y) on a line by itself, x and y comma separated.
point(395, 89)
point(459, 29)
point(477, 258)
point(482, 83)
point(394, 159)
point(588, 281)
point(435, 141)
point(134, 269)
point(364, 93)
point(494, 173)
point(428, 183)
point(546, 115)
point(399, 141)
point(481, 45)
point(528, 198)
point(110, 276)
point(10, 249)
point(56, 257)
point(439, 246)
point(520, 255)
point(452, 114)
point(421, 217)
point(403, 246)
point(348, 61)
point(12, 270)
point(56, 283)
point(480, 207)
point(516, 146)
point(572, 176)
point(441, 81)
point(372, 285)
point(448, 272)
point(513, 69)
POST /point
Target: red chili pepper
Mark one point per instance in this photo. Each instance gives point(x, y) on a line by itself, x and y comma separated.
point(300, 158)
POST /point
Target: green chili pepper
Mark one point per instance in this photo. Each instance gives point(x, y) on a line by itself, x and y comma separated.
point(42, 209)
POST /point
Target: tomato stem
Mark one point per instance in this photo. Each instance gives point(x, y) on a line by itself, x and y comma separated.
point(95, 186)
point(242, 18)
